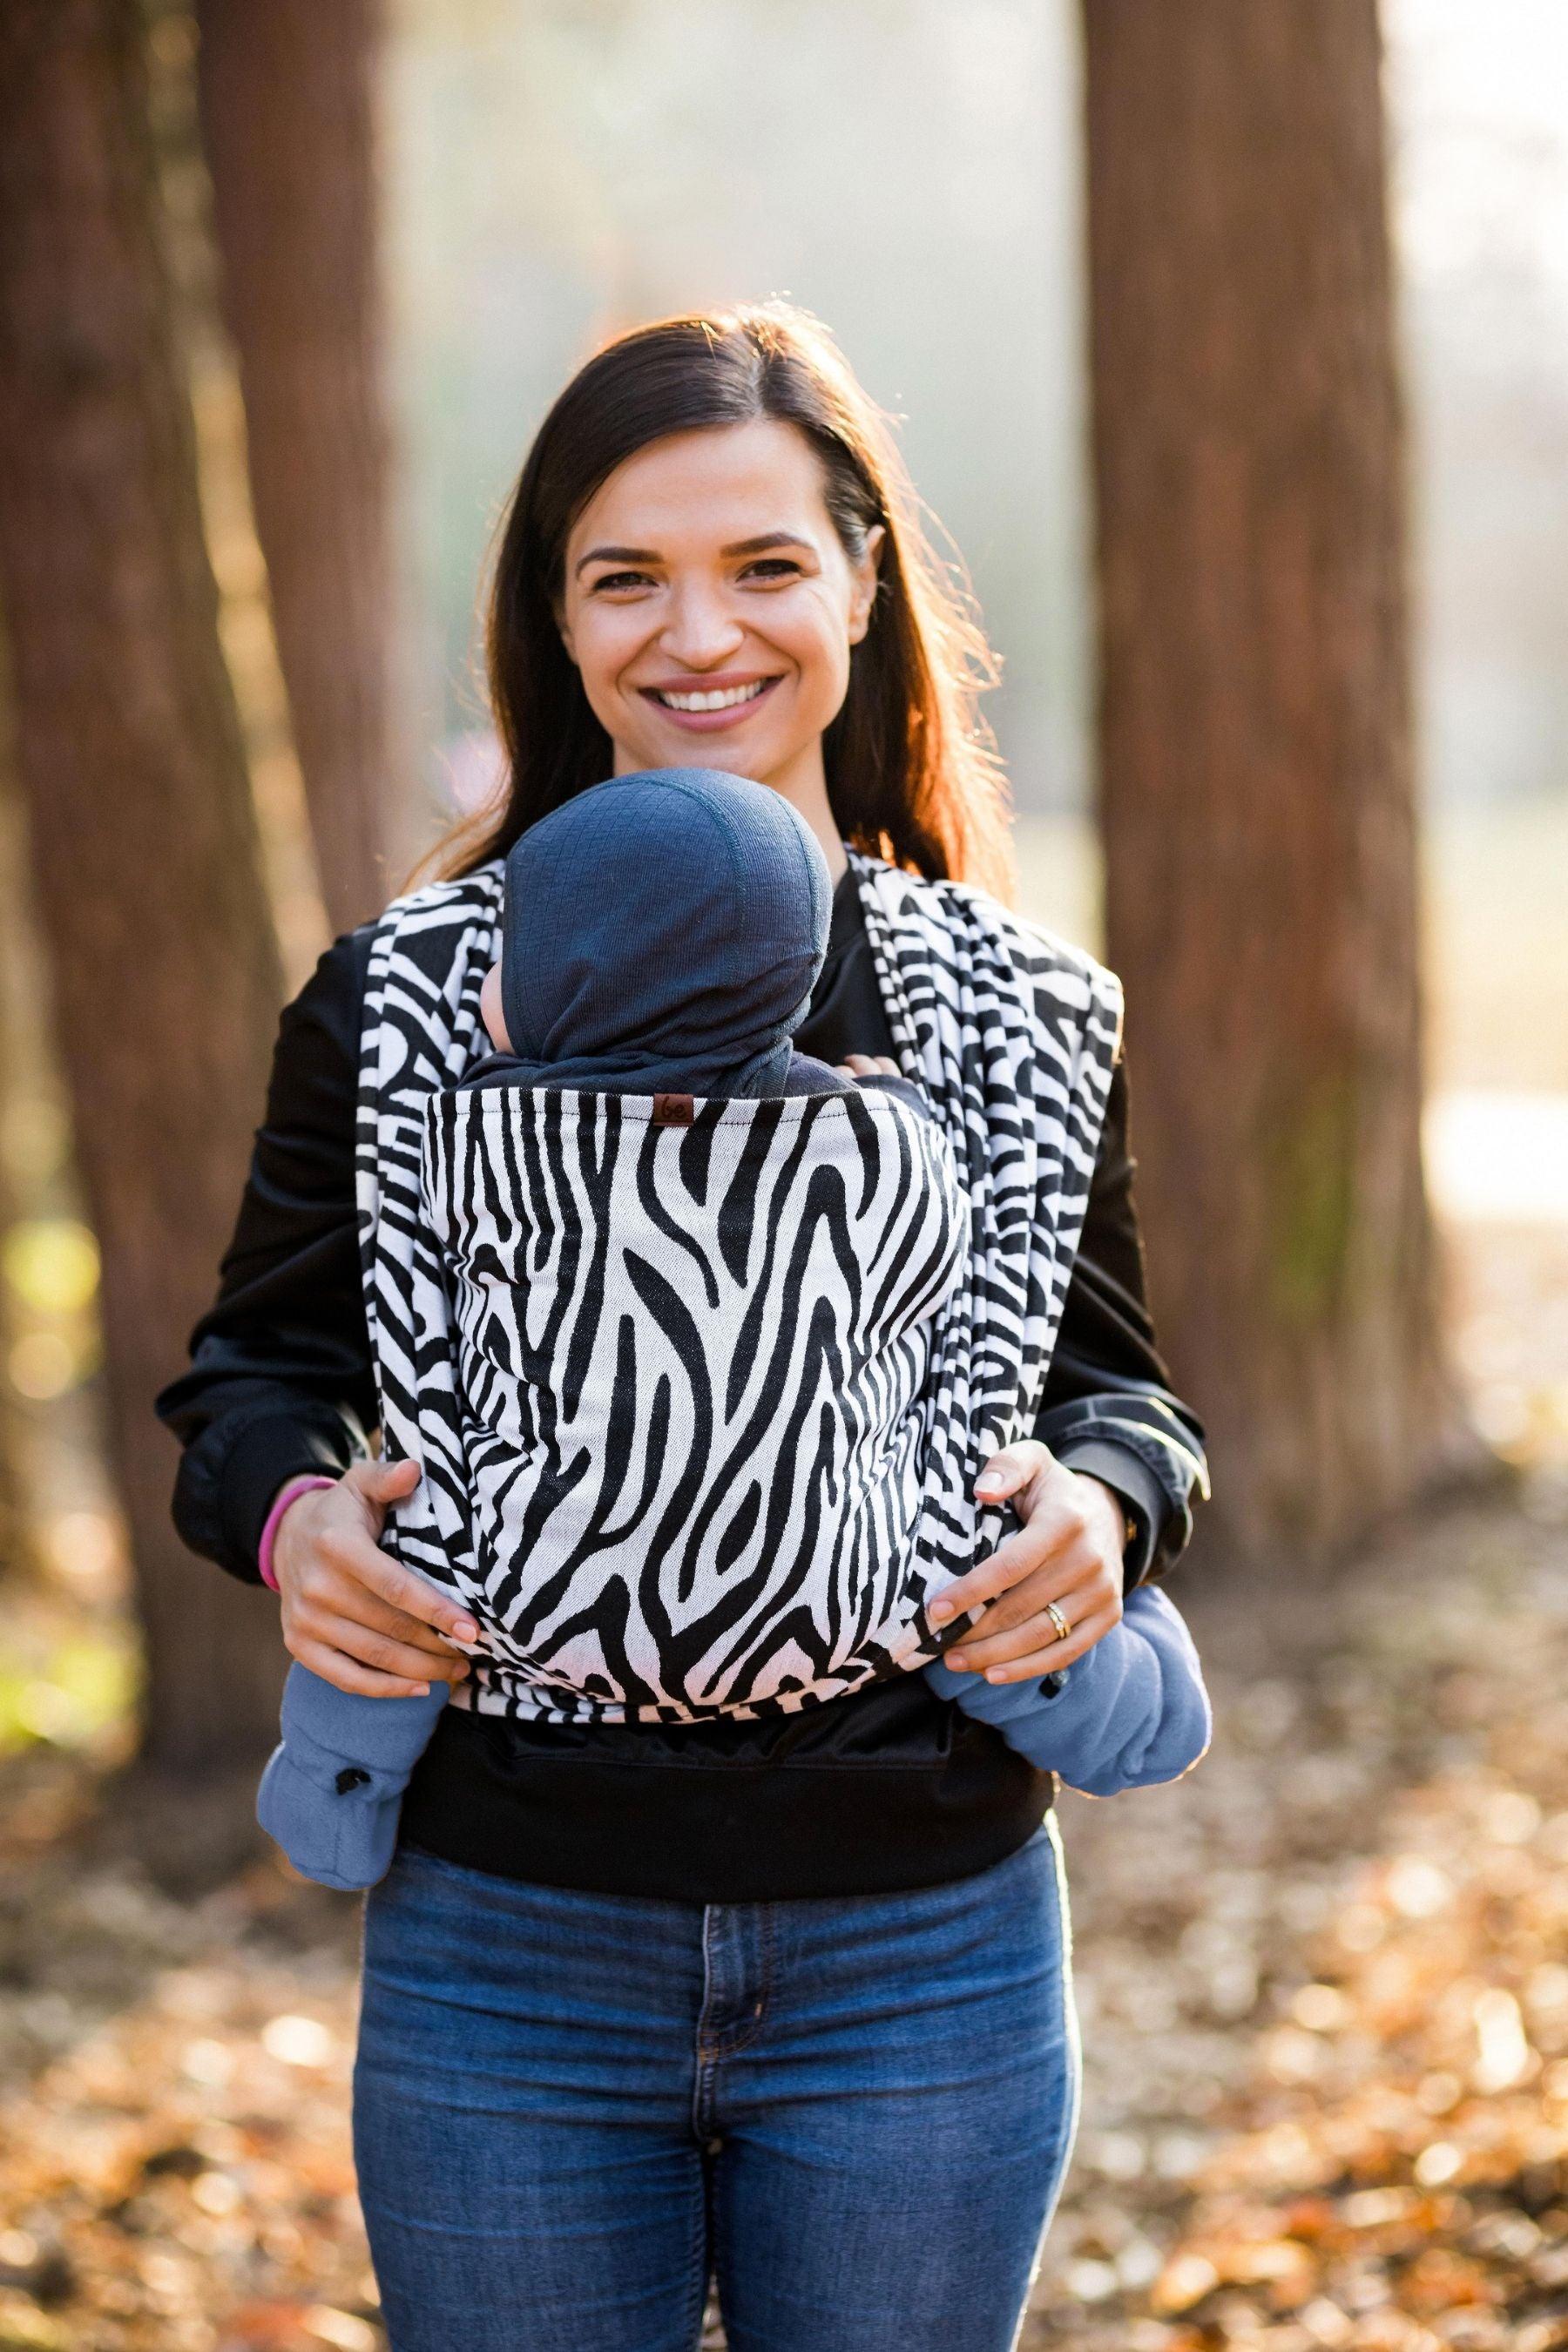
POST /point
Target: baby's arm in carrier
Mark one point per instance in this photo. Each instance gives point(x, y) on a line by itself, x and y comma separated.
point(880, 1073)
point(1130, 1713)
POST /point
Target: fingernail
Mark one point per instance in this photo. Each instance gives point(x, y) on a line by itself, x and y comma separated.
point(989, 1484)
point(939, 1611)
point(959, 1665)
point(995, 1673)
point(464, 1629)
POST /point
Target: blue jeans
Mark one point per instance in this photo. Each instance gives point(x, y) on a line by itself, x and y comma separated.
point(571, 2110)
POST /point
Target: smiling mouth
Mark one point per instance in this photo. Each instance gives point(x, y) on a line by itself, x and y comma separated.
point(728, 699)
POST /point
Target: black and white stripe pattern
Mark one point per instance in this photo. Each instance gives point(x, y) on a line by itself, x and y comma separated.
point(688, 1468)
point(644, 1582)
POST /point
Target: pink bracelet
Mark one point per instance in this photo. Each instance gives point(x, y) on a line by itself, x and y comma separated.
point(289, 1492)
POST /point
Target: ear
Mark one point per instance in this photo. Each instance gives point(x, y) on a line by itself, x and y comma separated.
point(868, 574)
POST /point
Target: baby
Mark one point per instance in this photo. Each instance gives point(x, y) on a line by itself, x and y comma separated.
point(661, 935)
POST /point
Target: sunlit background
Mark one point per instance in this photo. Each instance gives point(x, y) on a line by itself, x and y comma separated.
point(912, 173)
point(1344, 1936)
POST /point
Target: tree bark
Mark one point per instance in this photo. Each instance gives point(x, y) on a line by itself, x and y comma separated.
point(22, 1556)
point(1256, 771)
point(144, 842)
point(288, 120)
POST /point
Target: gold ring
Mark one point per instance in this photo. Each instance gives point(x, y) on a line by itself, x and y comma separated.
point(1058, 1621)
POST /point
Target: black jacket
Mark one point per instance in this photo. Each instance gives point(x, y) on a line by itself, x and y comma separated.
point(887, 1787)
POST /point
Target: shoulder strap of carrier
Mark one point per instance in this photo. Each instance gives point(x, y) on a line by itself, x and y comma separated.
point(1014, 1033)
point(420, 1029)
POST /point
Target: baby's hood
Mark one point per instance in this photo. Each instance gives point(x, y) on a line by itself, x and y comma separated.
point(663, 930)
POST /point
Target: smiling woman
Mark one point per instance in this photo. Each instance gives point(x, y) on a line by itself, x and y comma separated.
point(714, 508)
point(737, 633)
point(783, 1998)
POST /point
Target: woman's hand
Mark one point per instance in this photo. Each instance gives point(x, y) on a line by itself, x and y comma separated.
point(869, 1066)
point(349, 1612)
point(1068, 1550)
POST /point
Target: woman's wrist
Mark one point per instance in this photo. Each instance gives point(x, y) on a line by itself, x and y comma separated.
point(302, 1483)
point(1125, 1520)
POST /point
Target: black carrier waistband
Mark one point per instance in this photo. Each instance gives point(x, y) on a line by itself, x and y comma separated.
point(888, 1789)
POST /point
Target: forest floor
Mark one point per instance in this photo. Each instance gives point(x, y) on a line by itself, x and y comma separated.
point(1324, 1983)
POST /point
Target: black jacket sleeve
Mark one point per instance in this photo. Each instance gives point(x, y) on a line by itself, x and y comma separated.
point(1109, 1407)
point(280, 1377)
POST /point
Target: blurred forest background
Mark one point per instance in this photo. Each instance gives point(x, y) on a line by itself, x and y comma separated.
point(1228, 346)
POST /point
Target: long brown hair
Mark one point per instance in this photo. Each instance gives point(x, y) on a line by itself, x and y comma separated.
point(912, 770)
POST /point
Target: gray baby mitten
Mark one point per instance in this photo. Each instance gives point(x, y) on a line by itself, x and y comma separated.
point(332, 1789)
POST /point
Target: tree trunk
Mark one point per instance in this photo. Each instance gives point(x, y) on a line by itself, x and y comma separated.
point(286, 93)
point(1255, 749)
point(144, 842)
point(22, 1555)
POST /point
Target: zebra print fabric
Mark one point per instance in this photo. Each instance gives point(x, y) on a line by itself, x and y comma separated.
point(684, 1600)
point(690, 1435)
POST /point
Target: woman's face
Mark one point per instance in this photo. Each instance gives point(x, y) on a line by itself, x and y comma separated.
point(670, 600)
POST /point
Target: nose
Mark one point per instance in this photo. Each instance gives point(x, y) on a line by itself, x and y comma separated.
point(701, 631)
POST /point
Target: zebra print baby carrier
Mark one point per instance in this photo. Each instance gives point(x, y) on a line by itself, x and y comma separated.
point(700, 1408)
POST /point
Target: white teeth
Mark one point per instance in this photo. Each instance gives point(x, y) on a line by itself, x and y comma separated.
point(713, 701)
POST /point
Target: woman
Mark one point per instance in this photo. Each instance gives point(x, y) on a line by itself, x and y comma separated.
point(786, 2000)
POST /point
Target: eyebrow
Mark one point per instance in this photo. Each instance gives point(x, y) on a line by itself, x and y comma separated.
point(650, 554)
